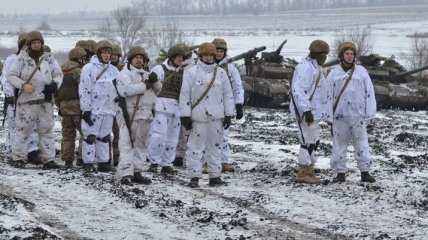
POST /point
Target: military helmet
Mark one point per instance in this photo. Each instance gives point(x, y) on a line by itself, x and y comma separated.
point(346, 46)
point(103, 44)
point(187, 50)
point(117, 50)
point(83, 44)
point(77, 53)
point(219, 43)
point(176, 50)
point(21, 40)
point(137, 50)
point(206, 49)
point(46, 48)
point(93, 45)
point(34, 35)
point(319, 46)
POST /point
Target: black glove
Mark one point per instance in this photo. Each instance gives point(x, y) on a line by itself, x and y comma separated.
point(49, 91)
point(227, 121)
point(59, 113)
point(308, 117)
point(153, 77)
point(86, 116)
point(239, 111)
point(186, 122)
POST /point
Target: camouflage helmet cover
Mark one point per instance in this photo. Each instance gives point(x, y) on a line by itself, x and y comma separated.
point(207, 49)
point(176, 50)
point(22, 39)
point(117, 50)
point(83, 44)
point(93, 45)
point(137, 50)
point(77, 53)
point(346, 46)
point(103, 44)
point(34, 35)
point(319, 46)
point(187, 50)
point(220, 43)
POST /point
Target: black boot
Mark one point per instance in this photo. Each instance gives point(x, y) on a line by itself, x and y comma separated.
point(178, 162)
point(366, 177)
point(88, 167)
point(68, 163)
point(168, 170)
point(104, 167)
point(340, 177)
point(50, 165)
point(216, 181)
point(194, 182)
point(34, 157)
point(79, 162)
point(127, 180)
point(153, 168)
point(138, 178)
point(18, 164)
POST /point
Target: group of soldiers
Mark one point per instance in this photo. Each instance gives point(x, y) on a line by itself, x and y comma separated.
point(186, 102)
point(179, 110)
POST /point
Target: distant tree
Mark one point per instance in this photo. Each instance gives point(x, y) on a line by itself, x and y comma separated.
point(362, 37)
point(124, 26)
point(419, 52)
point(44, 25)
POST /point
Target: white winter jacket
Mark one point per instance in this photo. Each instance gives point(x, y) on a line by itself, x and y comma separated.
point(235, 80)
point(219, 100)
point(303, 85)
point(358, 99)
point(8, 89)
point(130, 84)
point(98, 96)
point(22, 68)
point(166, 105)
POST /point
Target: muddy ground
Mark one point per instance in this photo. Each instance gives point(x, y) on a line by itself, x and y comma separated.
point(261, 200)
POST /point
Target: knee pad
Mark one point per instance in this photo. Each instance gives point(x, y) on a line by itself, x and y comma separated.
point(90, 139)
point(105, 139)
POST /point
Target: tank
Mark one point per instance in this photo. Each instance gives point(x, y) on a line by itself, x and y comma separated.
point(266, 81)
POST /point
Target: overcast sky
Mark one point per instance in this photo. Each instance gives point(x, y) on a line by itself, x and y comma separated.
point(58, 6)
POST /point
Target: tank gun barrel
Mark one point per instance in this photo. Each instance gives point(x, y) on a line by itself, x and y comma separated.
point(250, 53)
point(278, 50)
point(407, 73)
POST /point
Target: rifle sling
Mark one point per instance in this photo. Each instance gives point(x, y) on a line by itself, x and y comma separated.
point(136, 103)
point(343, 89)
point(101, 73)
point(31, 77)
point(206, 90)
point(316, 85)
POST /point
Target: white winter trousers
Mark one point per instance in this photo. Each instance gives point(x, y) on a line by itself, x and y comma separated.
point(205, 141)
point(132, 159)
point(95, 146)
point(33, 139)
point(225, 151)
point(164, 133)
point(346, 129)
point(30, 118)
point(182, 142)
point(309, 143)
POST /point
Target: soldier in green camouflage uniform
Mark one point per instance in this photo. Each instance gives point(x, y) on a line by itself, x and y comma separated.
point(69, 105)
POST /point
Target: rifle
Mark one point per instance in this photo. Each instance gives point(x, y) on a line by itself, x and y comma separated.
point(5, 105)
point(298, 118)
point(122, 104)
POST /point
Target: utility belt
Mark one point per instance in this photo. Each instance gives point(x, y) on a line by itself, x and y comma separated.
point(38, 101)
point(10, 100)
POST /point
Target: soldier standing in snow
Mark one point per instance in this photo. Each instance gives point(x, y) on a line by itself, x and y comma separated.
point(97, 103)
point(139, 90)
point(9, 92)
point(165, 128)
point(221, 59)
point(37, 75)
point(116, 54)
point(67, 99)
point(206, 105)
point(306, 107)
point(350, 102)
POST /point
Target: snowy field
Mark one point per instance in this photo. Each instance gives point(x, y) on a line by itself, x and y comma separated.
point(261, 200)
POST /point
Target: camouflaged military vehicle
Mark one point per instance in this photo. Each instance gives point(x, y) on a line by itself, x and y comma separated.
point(266, 82)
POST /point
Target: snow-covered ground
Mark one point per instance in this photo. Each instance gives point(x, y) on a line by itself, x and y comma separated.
point(261, 200)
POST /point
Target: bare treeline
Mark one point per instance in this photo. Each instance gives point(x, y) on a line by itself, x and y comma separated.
point(215, 7)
